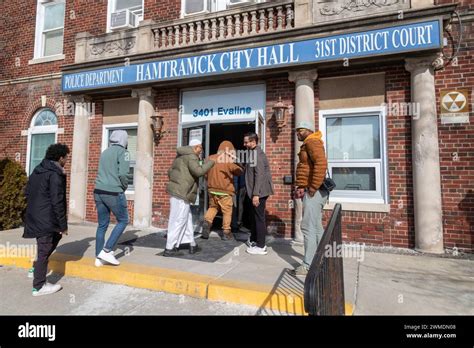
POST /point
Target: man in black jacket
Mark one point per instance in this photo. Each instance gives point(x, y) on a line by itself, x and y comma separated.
point(46, 212)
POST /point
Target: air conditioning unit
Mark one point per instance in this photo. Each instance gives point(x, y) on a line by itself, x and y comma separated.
point(123, 19)
point(233, 3)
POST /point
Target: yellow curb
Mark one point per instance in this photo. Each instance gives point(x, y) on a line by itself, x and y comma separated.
point(176, 282)
point(280, 299)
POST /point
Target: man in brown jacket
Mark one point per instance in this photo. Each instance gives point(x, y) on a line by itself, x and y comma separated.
point(310, 174)
point(220, 183)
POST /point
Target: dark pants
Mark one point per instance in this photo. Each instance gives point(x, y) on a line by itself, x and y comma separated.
point(238, 211)
point(46, 246)
point(259, 226)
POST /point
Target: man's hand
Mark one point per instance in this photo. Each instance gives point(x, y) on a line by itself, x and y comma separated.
point(64, 233)
point(255, 201)
point(299, 193)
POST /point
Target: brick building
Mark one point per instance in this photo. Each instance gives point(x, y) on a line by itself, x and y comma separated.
point(388, 82)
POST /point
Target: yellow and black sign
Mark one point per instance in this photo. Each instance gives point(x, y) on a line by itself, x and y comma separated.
point(454, 106)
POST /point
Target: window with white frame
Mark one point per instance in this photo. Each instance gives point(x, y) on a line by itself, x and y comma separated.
point(49, 28)
point(193, 7)
point(123, 14)
point(42, 133)
point(131, 129)
point(355, 147)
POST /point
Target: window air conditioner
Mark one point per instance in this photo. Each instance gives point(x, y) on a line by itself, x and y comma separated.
point(123, 19)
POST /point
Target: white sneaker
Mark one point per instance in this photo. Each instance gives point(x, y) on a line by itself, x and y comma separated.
point(98, 262)
point(255, 250)
point(31, 272)
point(108, 257)
point(47, 289)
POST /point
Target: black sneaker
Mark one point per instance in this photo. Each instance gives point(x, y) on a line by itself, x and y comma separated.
point(250, 244)
point(194, 249)
point(171, 253)
point(206, 230)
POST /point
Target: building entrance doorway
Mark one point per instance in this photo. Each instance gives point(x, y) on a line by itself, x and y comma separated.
point(211, 136)
point(233, 132)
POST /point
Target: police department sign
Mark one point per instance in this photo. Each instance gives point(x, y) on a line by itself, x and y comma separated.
point(396, 39)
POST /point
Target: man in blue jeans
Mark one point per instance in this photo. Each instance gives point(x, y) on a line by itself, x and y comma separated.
point(109, 196)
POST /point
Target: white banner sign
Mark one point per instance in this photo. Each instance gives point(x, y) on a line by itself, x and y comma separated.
point(241, 103)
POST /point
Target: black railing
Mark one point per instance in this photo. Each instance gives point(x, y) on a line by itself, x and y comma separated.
point(324, 285)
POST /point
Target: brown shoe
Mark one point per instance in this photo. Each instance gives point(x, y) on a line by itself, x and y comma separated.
point(227, 235)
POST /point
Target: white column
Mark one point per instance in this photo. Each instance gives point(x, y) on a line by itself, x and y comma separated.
point(79, 159)
point(142, 211)
point(304, 111)
point(425, 157)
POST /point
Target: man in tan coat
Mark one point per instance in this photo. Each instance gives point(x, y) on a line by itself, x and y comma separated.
point(310, 174)
point(220, 183)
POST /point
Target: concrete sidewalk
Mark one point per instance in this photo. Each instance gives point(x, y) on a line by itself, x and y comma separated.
point(376, 283)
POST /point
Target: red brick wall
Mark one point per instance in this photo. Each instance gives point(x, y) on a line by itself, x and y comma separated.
point(18, 24)
point(279, 149)
point(456, 143)
point(18, 34)
point(161, 11)
point(18, 105)
point(167, 104)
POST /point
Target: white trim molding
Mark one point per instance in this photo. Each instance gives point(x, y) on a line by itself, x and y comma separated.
point(46, 59)
point(381, 194)
point(38, 55)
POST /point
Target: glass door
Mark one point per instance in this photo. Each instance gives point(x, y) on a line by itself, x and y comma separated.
point(189, 132)
point(260, 129)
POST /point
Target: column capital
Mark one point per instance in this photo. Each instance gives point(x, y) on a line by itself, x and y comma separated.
point(311, 75)
point(426, 62)
point(143, 92)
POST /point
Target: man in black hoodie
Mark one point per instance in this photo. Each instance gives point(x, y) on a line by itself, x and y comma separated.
point(46, 212)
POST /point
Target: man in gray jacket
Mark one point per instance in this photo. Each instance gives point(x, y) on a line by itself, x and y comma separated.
point(109, 196)
point(258, 181)
point(184, 177)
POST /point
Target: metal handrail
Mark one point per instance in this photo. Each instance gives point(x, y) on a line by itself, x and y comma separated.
point(324, 285)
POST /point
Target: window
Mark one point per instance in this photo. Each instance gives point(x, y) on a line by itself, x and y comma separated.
point(355, 148)
point(193, 7)
point(131, 129)
point(124, 14)
point(42, 133)
point(49, 28)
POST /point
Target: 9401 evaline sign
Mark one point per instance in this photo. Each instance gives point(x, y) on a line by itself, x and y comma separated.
point(396, 39)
